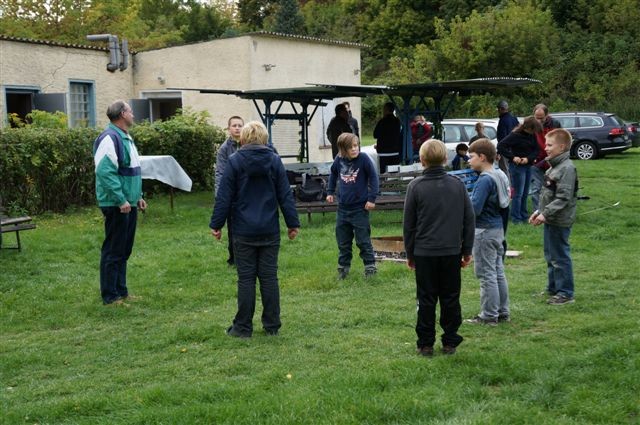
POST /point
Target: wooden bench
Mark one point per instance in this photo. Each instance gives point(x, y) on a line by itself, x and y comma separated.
point(13, 224)
point(393, 189)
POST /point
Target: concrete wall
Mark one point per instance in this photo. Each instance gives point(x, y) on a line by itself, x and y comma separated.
point(239, 64)
point(50, 68)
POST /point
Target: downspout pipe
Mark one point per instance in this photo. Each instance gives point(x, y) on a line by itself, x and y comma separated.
point(114, 49)
point(124, 64)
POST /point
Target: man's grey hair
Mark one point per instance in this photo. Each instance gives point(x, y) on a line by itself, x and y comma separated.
point(503, 104)
point(116, 109)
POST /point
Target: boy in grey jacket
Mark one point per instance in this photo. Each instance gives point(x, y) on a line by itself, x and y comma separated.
point(228, 148)
point(557, 211)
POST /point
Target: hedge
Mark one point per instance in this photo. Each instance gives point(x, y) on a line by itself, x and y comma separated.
point(52, 169)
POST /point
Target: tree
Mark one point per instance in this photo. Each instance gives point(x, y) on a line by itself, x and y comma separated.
point(252, 13)
point(288, 19)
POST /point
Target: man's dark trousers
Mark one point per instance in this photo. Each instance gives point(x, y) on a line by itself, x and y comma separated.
point(257, 257)
point(438, 279)
point(120, 231)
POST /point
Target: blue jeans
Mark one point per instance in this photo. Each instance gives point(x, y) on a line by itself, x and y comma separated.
point(537, 178)
point(120, 231)
point(520, 176)
point(350, 223)
point(257, 257)
point(489, 269)
point(557, 253)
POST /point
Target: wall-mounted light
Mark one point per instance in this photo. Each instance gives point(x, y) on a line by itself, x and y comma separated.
point(356, 71)
point(161, 79)
point(268, 66)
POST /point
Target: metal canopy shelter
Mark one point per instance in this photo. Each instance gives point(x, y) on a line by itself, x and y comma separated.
point(443, 95)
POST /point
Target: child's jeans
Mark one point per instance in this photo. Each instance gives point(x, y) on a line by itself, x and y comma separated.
point(489, 269)
point(350, 223)
point(557, 253)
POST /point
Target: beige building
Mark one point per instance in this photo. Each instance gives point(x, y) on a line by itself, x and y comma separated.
point(72, 78)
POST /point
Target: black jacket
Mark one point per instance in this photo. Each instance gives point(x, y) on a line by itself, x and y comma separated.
point(519, 144)
point(438, 216)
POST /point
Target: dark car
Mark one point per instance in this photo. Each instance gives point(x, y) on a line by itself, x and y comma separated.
point(595, 134)
point(634, 132)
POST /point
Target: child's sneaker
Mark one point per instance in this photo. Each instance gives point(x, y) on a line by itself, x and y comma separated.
point(370, 271)
point(480, 321)
point(343, 272)
point(560, 300)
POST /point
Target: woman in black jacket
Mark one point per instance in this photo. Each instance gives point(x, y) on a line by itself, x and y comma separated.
point(520, 148)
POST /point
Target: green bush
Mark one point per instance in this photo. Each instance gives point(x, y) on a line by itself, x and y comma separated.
point(46, 169)
point(49, 169)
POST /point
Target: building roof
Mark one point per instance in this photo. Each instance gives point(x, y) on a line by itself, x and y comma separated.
point(52, 43)
point(307, 38)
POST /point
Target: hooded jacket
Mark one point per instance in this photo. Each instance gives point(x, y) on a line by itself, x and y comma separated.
point(253, 186)
point(489, 197)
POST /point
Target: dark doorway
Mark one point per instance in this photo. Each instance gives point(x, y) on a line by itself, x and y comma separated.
point(20, 104)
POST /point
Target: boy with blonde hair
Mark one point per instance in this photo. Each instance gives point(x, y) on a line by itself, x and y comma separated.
point(357, 182)
point(438, 238)
point(489, 197)
point(557, 211)
point(255, 183)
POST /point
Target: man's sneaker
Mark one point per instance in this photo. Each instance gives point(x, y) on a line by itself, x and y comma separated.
point(343, 272)
point(480, 321)
point(504, 318)
point(370, 272)
point(425, 351)
point(232, 332)
point(448, 349)
point(560, 300)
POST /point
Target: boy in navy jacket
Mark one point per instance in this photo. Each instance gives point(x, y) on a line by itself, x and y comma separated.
point(253, 185)
point(357, 182)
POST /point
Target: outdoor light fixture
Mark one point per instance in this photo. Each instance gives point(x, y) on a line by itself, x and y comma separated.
point(268, 66)
point(356, 71)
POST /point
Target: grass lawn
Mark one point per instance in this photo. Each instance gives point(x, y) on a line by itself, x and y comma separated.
point(346, 353)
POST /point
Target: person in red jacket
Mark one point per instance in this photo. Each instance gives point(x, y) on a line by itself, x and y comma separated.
point(540, 113)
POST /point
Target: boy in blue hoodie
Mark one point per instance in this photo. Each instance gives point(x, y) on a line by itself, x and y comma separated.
point(489, 197)
point(357, 182)
point(253, 186)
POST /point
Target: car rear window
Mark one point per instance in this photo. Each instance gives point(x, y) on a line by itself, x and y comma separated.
point(616, 121)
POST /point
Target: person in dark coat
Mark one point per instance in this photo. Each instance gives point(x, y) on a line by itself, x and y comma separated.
point(520, 148)
point(353, 123)
point(253, 186)
point(338, 125)
point(388, 135)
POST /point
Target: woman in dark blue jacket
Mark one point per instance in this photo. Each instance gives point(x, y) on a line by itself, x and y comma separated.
point(521, 149)
point(253, 186)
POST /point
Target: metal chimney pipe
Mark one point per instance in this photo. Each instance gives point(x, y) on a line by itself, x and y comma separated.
point(114, 49)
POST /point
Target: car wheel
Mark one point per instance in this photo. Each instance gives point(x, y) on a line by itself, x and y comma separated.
point(585, 150)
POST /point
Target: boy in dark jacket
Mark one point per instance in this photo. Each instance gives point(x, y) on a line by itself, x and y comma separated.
point(252, 187)
point(438, 238)
point(557, 211)
point(357, 182)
